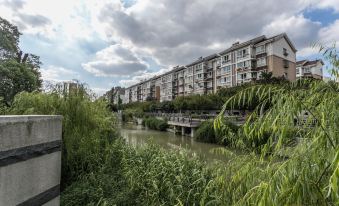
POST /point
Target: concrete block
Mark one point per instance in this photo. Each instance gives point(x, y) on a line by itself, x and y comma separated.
point(20, 131)
point(30, 160)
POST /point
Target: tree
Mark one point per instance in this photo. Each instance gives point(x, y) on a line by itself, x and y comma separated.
point(9, 39)
point(19, 71)
point(16, 77)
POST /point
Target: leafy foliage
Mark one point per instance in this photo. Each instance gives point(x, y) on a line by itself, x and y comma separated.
point(156, 124)
point(88, 128)
point(9, 39)
point(18, 71)
point(307, 173)
point(205, 133)
point(16, 77)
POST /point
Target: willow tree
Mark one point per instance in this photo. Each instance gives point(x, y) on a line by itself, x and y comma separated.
point(295, 127)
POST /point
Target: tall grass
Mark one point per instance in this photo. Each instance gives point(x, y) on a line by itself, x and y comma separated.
point(88, 128)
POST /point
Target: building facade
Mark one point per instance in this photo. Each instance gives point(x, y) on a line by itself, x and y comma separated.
point(239, 64)
point(310, 69)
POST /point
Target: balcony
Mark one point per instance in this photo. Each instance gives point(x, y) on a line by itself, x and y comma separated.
point(242, 69)
point(262, 65)
point(243, 56)
point(226, 61)
point(259, 52)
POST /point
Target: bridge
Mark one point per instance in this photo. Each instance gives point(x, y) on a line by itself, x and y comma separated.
point(186, 124)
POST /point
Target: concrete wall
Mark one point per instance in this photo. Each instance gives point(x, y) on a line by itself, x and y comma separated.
point(30, 160)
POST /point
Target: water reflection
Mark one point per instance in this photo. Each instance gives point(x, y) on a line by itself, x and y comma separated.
point(138, 136)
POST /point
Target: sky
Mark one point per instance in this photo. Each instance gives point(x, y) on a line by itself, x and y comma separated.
point(110, 43)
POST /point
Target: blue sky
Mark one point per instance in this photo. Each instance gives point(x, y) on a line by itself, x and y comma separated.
point(111, 42)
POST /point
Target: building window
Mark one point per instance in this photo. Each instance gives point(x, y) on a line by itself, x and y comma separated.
point(243, 64)
point(260, 49)
point(285, 52)
point(307, 70)
point(242, 53)
point(226, 58)
point(225, 80)
point(285, 63)
point(298, 71)
point(242, 76)
point(261, 62)
point(227, 69)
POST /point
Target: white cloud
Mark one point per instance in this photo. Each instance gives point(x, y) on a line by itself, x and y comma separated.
point(141, 77)
point(327, 4)
point(177, 32)
point(57, 74)
point(114, 61)
point(166, 31)
point(330, 34)
point(303, 31)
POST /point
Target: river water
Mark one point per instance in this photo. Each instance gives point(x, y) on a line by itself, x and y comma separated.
point(137, 135)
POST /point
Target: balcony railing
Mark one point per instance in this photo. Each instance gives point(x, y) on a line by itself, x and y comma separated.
point(226, 61)
point(257, 52)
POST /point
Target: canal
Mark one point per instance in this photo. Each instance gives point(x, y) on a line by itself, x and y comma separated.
point(137, 135)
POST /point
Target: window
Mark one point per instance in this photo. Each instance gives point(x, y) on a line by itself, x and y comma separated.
point(242, 53)
point(227, 69)
point(226, 58)
point(243, 64)
point(260, 49)
point(225, 80)
point(242, 76)
point(285, 52)
point(261, 62)
point(307, 70)
point(254, 75)
point(285, 63)
point(298, 70)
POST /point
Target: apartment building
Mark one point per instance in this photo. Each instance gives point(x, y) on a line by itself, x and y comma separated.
point(244, 62)
point(310, 69)
point(238, 64)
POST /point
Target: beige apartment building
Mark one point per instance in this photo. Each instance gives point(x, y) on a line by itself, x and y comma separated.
point(310, 69)
point(240, 63)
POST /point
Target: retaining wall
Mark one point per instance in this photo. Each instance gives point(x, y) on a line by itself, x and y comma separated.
point(30, 160)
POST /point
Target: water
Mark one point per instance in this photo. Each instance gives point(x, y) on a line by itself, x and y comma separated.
point(138, 136)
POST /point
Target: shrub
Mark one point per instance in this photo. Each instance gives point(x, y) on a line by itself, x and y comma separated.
point(88, 128)
point(156, 124)
point(205, 132)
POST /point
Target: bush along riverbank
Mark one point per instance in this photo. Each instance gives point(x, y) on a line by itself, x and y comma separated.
point(155, 124)
point(207, 133)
